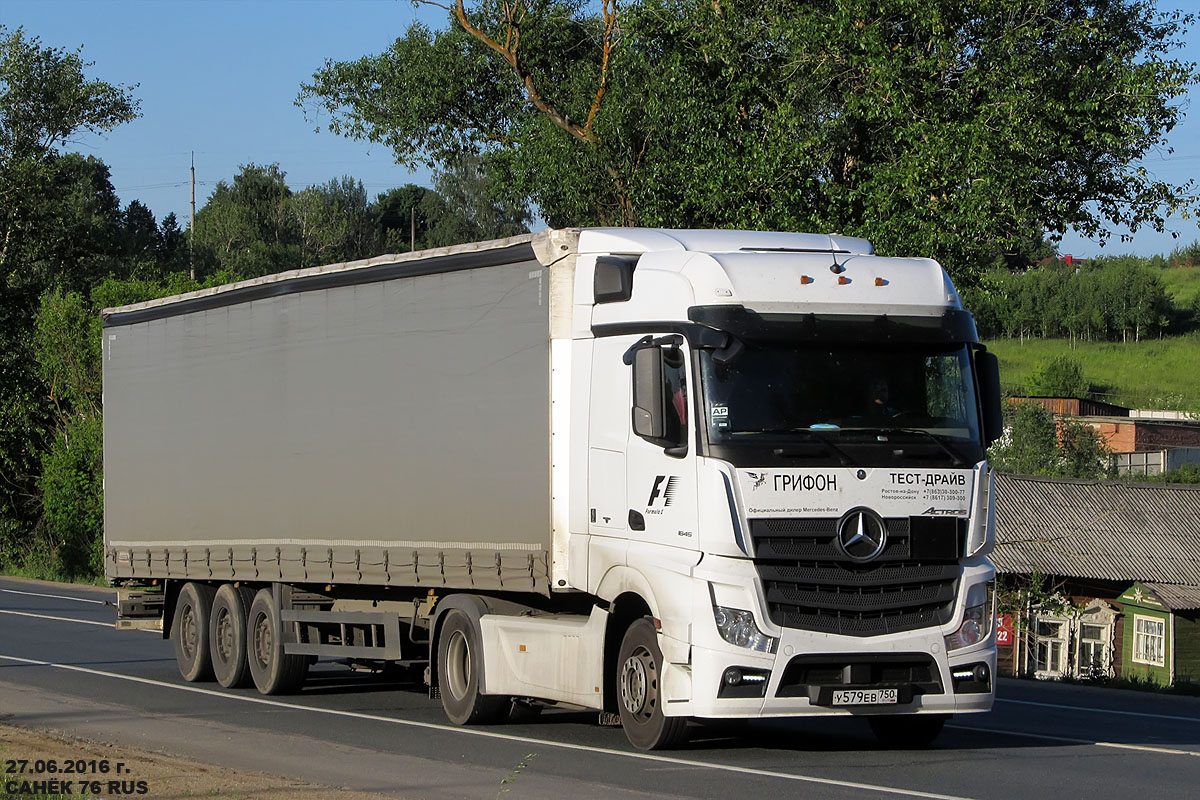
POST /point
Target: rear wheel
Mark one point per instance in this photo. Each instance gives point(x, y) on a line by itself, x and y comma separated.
point(639, 691)
point(189, 631)
point(227, 635)
point(907, 730)
point(459, 666)
point(273, 671)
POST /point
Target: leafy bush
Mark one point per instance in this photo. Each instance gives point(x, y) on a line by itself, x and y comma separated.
point(1061, 376)
point(72, 499)
point(1037, 444)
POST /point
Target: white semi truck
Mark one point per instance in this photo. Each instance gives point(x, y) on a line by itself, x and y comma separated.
point(668, 475)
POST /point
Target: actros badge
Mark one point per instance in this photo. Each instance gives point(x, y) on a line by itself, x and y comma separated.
point(861, 534)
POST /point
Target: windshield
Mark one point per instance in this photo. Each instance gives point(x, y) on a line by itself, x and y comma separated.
point(839, 394)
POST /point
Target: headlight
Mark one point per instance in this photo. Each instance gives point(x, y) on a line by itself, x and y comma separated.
point(738, 628)
point(977, 621)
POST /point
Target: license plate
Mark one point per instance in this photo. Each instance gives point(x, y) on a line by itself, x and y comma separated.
point(864, 697)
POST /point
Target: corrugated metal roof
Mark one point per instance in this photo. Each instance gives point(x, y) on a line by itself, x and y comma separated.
point(1177, 598)
point(1098, 529)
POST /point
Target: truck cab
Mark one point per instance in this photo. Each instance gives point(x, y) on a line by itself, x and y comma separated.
point(786, 462)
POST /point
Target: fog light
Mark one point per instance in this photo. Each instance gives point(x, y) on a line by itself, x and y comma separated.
point(972, 678)
point(738, 628)
point(743, 682)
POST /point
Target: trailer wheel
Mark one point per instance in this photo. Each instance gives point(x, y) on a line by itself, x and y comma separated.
point(907, 730)
point(458, 670)
point(639, 691)
point(227, 635)
point(189, 631)
point(273, 671)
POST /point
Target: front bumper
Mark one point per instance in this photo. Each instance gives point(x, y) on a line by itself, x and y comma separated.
point(806, 666)
point(782, 697)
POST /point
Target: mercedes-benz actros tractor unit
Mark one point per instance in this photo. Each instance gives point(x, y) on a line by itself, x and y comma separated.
point(668, 475)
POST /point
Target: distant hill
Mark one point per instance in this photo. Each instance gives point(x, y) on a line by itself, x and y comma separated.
point(1157, 373)
point(1182, 283)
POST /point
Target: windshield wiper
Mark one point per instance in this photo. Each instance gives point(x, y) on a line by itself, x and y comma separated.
point(958, 460)
point(842, 455)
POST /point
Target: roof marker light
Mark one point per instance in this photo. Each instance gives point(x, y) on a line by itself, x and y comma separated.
point(843, 280)
point(804, 279)
point(880, 282)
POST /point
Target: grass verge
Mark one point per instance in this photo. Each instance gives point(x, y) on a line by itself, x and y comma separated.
point(1158, 373)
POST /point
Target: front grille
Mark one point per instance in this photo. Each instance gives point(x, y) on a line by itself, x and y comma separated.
point(811, 585)
point(806, 675)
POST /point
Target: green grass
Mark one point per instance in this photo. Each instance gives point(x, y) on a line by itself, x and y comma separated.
point(1159, 373)
point(1182, 283)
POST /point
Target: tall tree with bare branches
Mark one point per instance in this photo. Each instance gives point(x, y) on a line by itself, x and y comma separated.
point(963, 131)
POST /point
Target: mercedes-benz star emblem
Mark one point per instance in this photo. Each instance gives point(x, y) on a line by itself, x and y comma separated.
point(861, 534)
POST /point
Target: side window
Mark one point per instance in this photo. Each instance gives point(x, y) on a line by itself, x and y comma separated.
point(675, 388)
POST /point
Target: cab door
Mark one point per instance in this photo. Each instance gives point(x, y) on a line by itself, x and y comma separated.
point(661, 453)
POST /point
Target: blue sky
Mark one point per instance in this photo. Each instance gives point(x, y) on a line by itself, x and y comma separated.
point(219, 77)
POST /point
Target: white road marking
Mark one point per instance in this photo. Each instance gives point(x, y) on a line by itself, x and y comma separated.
point(1048, 737)
point(55, 596)
point(56, 619)
point(108, 625)
point(1098, 710)
point(678, 762)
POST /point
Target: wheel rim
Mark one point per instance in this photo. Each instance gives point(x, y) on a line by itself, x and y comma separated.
point(639, 687)
point(458, 664)
point(188, 634)
point(224, 638)
point(263, 641)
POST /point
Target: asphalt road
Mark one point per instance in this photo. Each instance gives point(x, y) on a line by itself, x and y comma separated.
point(64, 668)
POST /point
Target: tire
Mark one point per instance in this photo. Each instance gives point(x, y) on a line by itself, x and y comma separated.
point(227, 636)
point(459, 666)
point(189, 631)
point(908, 731)
point(639, 695)
point(273, 671)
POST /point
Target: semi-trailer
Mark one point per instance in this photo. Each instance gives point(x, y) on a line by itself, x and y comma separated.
point(668, 475)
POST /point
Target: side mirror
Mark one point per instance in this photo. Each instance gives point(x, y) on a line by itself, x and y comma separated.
point(987, 368)
point(649, 412)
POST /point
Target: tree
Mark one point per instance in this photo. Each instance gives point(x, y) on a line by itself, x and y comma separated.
point(1084, 455)
point(58, 221)
point(1037, 444)
point(1061, 376)
point(1030, 445)
point(67, 343)
point(172, 253)
point(246, 228)
point(411, 217)
point(475, 198)
point(960, 131)
point(45, 98)
point(333, 222)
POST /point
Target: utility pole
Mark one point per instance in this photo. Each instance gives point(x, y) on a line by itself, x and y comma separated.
point(192, 225)
point(412, 228)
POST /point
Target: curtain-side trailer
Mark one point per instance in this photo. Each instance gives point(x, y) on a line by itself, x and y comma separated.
point(667, 475)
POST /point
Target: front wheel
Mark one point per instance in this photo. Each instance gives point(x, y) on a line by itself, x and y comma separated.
point(639, 691)
point(458, 667)
point(907, 730)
